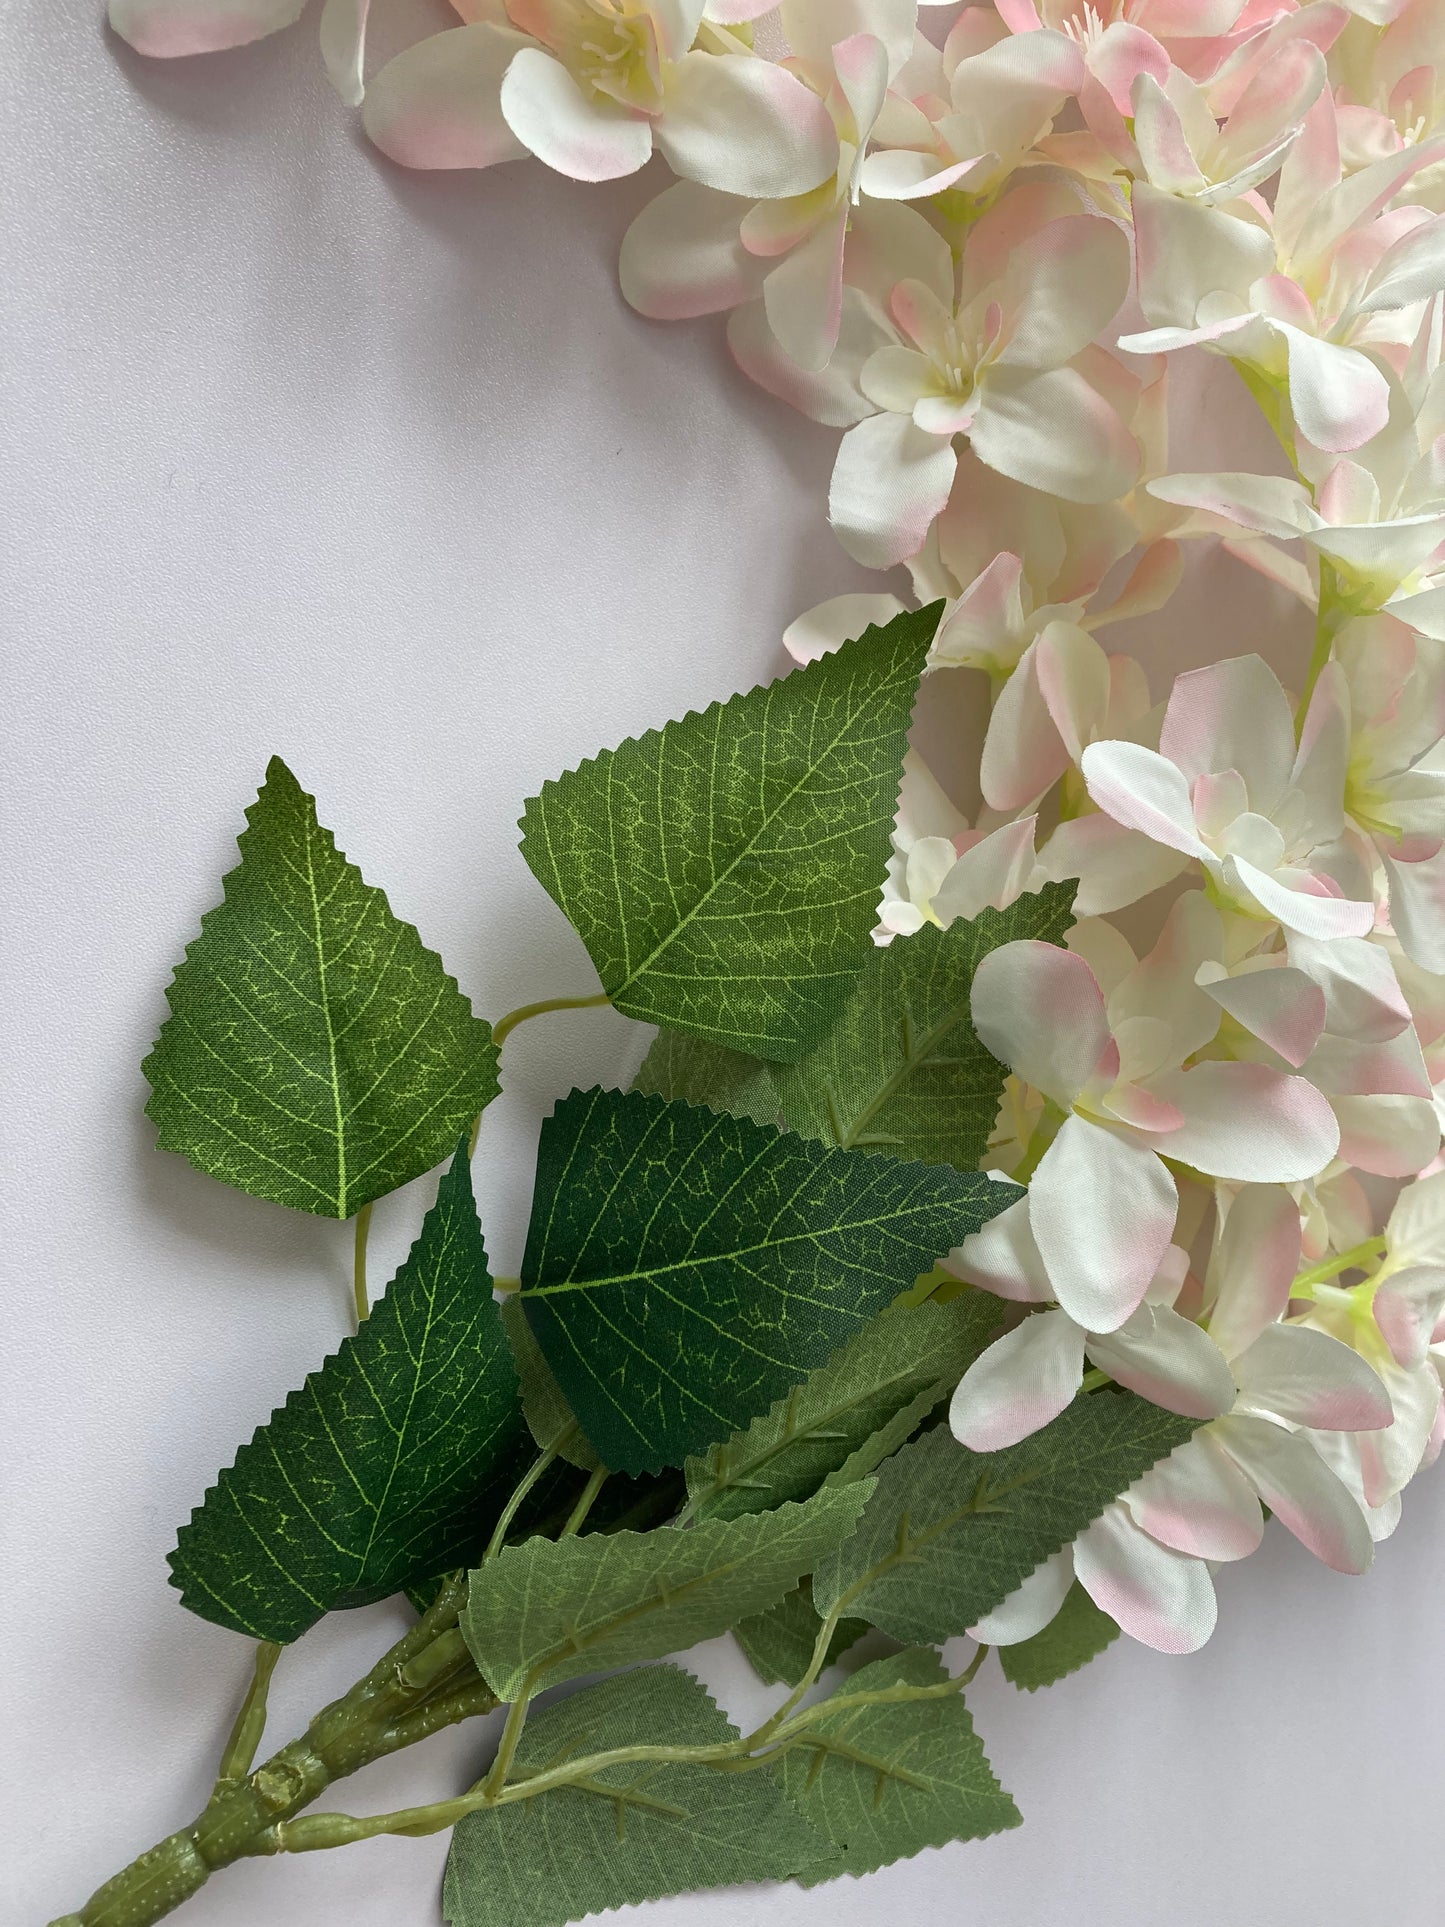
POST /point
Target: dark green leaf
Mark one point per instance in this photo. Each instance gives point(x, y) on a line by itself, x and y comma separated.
point(851, 1413)
point(710, 1074)
point(636, 1831)
point(316, 1053)
point(379, 1472)
point(550, 1609)
point(685, 1268)
point(724, 870)
point(950, 1533)
point(779, 1643)
point(901, 1071)
point(1077, 1633)
point(884, 1781)
point(550, 1419)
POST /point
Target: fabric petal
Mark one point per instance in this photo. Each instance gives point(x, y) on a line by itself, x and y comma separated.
point(1004, 1259)
point(1143, 791)
point(1311, 914)
point(342, 31)
point(682, 257)
point(1253, 1265)
point(1115, 866)
point(577, 134)
point(1055, 432)
point(832, 395)
point(1300, 1490)
point(165, 29)
point(1023, 1380)
point(828, 625)
point(889, 483)
point(1168, 1360)
point(1281, 1007)
point(1339, 397)
point(990, 874)
point(803, 294)
point(438, 104)
point(745, 126)
point(1249, 1123)
point(1040, 1011)
point(1417, 908)
point(1029, 1607)
point(1408, 1307)
point(1102, 1211)
point(1162, 1598)
point(1065, 283)
point(1386, 1134)
point(1232, 715)
point(1198, 1501)
point(1294, 1372)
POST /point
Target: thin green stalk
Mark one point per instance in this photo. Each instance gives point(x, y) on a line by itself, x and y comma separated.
point(595, 1482)
point(524, 1485)
point(1361, 1255)
point(238, 1755)
point(504, 1026)
point(358, 1269)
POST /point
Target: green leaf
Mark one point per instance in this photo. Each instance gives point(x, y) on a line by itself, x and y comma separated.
point(380, 1470)
point(902, 1071)
point(710, 1074)
point(950, 1533)
point(684, 1268)
point(724, 870)
point(851, 1413)
point(550, 1609)
point(316, 1053)
point(779, 1643)
point(884, 1781)
point(1077, 1633)
point(636, 1831)
point(550, 1419)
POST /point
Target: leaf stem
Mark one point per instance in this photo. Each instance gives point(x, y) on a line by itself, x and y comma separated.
point(504, 1026)
point(524, 1485)
point(358, 1268)
point(244, 1741)
point(1361, 1255)
point(596, 1480)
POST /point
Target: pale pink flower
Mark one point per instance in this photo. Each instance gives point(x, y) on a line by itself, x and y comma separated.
point(590, 87)
point(1228, 787)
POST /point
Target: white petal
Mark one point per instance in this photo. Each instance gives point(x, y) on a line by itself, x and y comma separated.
point(1162, 1598)
point(990, 874)
point(1055, 432)
point(1417, 908)
point(1031, 1606)
point(1145, 792)
point(889, 482)
point(1388, 1135)
point(1339, 397)
point(1300, 1490)
point(827, 626)
point(831, 395)
point(577, 134)
point(1115, 866)
point(1408, 1307)
point(1294, 1372)
point(1023, 1380)
point(1410, 270)
point(343, 47)
point(1198, 1501)
point(1065, 284)
point(438, 104)
point(1102, 1211)
point(803, 294)
point(1040, 1011)
point(1281, 1007)
point(1248, 1123)
point(164, 29)
point(1302, 910)
point(682, 256)
point(1416, 1226)
point(812, 28)
point(746, 126)
point(1232, 715)
point(1253, 1265)
point(1004, 1259)
point(1168, 1360)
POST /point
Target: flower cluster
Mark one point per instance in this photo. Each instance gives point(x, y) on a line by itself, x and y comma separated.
point(976, 251)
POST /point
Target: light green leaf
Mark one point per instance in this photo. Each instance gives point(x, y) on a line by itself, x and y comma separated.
point(386, 1467)
point(779, 1643)
point(950, 1533)
point(636, 1831)
point(316, 1053)
point(702, 1073)
point(724, 870)
point(550, 1419)
point(550, 1609)
point(685, 1268)
point(851, 1413)
point(1077, 1633)
point(884, 1781)
point(901, 1071)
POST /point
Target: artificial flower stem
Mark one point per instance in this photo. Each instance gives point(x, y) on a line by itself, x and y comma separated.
point(524, 1485)
point(1327, 624)
point(244, 1741)
point(504, 1026)
point(1358, 1256)
point(594, 1485)
point(358, 1267)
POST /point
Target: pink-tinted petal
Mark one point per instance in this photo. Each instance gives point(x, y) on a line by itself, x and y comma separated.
point(1029, 1607)
point(1143, 791)
point(1039, 1010)
point(1416, 1225)
point(1268, 504)
point(1387, 1134)
point(1168, 1360)
point(1004, 1259)
point(832, 395)
point(1339, 397)
point(1294, 1372)
point(1417, 907)
point(1300, 1490)
point(1064, 284)
point(165, 29)
point(578, 134)
point(1313, 913)
point(1022, 1381)
point(1253, 1266)
point(1055, 432)
point(1232, 716)
point(1198, 1501)
point(1249, 1123)
point(1408, 1307)
point(682, 256)
point(803, 294)
point(1102, 1211)
point(1162, 1598)
point(1115, 866)
point(821, 630)
point(889, 482)
point(1281, 1007)
point(813, 28)
point(746, 126)
point(990, 874)
point(1162, 140)
point(1023, 754)
point(1411, 270)
point(1359, 984)
point(438, 104)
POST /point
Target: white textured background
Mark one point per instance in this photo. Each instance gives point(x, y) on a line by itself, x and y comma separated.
point(303, 454)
